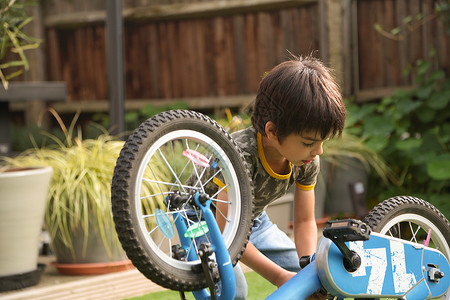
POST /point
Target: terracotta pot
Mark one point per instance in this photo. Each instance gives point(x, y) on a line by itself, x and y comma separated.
point(93, 268)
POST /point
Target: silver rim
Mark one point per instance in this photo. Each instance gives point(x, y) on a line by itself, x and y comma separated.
point(163, 170)
point(414, 228)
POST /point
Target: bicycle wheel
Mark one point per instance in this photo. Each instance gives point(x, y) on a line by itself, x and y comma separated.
point(411, 219)
point(165, 160)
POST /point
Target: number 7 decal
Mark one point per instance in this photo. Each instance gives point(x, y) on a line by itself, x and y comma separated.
point(376, 258)
point(402, 281)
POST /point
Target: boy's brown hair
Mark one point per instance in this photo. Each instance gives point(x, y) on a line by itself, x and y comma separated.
point(300, 95)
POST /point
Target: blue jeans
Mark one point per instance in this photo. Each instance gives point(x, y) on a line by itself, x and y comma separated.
point(274, 244)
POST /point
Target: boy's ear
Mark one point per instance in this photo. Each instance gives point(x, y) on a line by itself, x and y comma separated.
point(271, 130)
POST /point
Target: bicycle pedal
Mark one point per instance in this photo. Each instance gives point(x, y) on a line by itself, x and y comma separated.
point(347, 230)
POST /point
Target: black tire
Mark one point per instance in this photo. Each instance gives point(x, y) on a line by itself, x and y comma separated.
point(411, 218)
point(173, 131)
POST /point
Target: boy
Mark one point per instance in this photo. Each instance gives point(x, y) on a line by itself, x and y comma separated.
point(298, 106)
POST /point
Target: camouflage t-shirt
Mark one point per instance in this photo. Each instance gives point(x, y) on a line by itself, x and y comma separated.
point(268, 185)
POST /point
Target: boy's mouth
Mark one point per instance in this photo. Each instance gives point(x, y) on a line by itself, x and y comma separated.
point(308, 161)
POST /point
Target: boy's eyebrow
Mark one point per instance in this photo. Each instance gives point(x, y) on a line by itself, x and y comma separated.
point(311, 139)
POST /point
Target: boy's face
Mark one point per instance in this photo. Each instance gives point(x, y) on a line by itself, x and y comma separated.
point(302, 148)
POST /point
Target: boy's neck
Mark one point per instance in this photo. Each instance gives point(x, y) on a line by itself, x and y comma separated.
point(278, 163)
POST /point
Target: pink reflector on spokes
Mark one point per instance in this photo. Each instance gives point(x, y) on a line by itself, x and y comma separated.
point(196, 157)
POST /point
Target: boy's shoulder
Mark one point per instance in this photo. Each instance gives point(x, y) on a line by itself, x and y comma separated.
point(245, 138)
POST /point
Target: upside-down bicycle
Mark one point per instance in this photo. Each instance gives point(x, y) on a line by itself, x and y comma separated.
point(166, 208)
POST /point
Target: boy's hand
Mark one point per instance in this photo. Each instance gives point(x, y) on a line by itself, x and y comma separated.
point(283, 277)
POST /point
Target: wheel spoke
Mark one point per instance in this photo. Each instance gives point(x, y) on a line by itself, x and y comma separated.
point(390, 232)
point(220, 211)
point(211, 178)
point(154, 195)
point(154, 176)
point(414, 233)
point(171, 169)
point(199, 183)
point(184, 186)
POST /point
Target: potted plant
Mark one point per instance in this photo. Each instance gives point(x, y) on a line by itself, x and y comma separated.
point(346, 161)
point(78, 215)
point(23, 194)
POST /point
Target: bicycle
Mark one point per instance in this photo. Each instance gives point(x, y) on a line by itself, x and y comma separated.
point(166, 207)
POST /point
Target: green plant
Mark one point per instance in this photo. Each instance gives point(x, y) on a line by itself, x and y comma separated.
point(351, 146)
point(81, 184)
point(13, 41)
point(234, 123)
point(411, 130)
point(411, 23)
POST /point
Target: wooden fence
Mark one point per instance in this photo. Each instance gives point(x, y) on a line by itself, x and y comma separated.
point(218, 50)
point(383, 57)
point(203, 56)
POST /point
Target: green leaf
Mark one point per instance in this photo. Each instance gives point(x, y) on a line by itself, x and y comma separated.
point(430, 142)
point(432, 52)
point(408, 144)
point(439, 169)
point(377, 143)
point(379, 125)
point(422, 67)
point(425, 91)
point(446, 129)
point(406, 106)
point(131, 116)
point(427, 115)
point(402, 126)
point(396, 30)
point(407, 20)
point(438, 75)
point(439, 100)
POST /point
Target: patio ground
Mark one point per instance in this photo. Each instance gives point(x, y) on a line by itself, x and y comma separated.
point(119, 285)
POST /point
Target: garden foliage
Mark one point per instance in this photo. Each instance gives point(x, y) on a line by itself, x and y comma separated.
point(411, 130)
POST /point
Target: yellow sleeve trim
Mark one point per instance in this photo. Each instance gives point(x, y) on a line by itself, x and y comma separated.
point(219, 183)
point(305, 187)
point(264, 162)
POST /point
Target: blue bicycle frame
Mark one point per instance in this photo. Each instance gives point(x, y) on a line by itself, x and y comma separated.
point(390, 268)
point(225, 266)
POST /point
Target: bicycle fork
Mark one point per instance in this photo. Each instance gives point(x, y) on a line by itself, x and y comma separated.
point(223, 260)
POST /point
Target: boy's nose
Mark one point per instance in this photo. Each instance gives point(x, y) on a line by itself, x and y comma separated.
point(318, 150)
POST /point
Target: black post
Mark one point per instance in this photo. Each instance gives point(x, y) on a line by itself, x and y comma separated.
point(115, 68)
point(5, 135)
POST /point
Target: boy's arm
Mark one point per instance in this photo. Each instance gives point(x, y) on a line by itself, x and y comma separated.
point(252, 257)
point(305, 228)
point(259, 263)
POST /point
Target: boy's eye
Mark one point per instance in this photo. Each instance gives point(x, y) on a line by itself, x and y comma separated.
point(308, 145)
